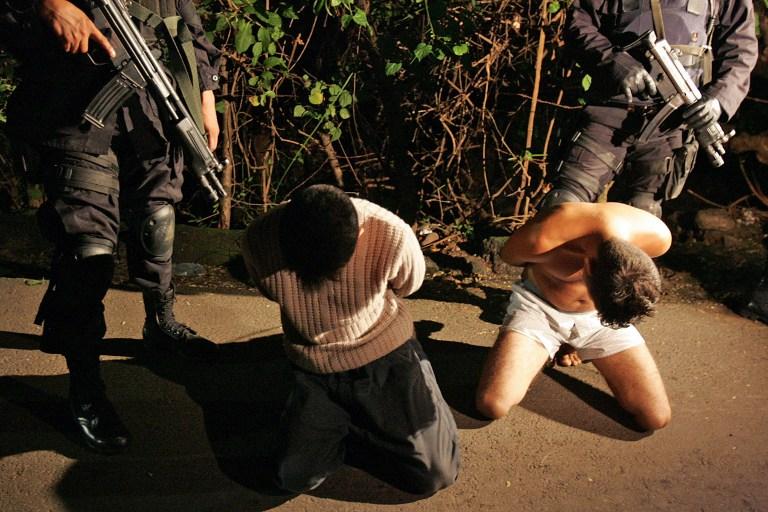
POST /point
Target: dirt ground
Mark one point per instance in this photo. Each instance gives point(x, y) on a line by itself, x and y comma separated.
point(199, 428)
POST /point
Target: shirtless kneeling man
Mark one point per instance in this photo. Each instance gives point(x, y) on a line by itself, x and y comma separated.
point(588, 275)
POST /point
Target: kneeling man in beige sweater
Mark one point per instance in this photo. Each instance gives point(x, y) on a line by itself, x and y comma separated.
point(364, 392)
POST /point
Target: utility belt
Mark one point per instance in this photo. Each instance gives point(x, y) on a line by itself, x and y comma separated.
point(83, 171)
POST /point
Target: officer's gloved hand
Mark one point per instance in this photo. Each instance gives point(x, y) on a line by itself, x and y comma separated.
point(631, 76)
point(702, 113)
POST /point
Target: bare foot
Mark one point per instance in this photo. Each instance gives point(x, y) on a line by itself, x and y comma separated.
point(567, 356)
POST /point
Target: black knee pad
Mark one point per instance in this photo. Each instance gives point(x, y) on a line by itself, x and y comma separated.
point(156, 233)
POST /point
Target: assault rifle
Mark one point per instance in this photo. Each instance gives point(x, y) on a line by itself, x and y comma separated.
point(138, 69)
point(677, 89)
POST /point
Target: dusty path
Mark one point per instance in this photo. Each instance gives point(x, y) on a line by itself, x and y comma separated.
point(564, 448)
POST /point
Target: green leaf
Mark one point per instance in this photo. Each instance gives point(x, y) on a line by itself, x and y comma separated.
point(277, 34)
point(290, 13)
point(299, 111)
point(221, 106)
point(345, 99)
point(257, 49)
point(265, 36)
point(553, 7)
point(221, 23)
point(316, 97)
point(460, 49)
point(360, 18)
point(586, 82)
point(344, 113)
point(392, 68)
point(274, 62)
point(335, 133)
point(244, 36)
point(274, 19)
point(422, 50)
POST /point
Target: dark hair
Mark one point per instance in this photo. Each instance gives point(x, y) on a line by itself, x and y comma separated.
point(624, 283)
point(318, 232)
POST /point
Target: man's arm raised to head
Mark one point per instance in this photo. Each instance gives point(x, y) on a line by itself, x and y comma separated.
point(636, 226)
point(567, 222)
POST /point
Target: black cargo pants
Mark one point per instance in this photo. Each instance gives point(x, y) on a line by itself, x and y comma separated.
point(82, 217)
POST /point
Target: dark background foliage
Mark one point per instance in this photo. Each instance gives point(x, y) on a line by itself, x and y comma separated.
point(450, 112)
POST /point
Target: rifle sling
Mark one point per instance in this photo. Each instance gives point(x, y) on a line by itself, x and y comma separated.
point(181, 60)
point(658, 19)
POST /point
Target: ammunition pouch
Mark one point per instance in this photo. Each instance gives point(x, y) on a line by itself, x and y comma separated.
point(683, 160)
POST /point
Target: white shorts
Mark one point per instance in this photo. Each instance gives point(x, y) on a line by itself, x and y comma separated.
point(534, 317)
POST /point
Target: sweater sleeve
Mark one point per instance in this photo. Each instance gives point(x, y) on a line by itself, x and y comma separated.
point(409, 268)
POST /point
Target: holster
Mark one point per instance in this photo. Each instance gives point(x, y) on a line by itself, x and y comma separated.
point(683, 161)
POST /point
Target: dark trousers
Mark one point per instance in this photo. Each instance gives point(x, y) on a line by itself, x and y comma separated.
point(586, 171)
point(387, 418)
point(146, 171)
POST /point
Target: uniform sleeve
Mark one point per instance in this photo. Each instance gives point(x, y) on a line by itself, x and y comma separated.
point(583, 39)
point(408, 273)
point(734, 48)
point(208, 56)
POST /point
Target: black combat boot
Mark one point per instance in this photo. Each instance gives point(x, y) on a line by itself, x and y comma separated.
point(162, 332)
point(96, 422)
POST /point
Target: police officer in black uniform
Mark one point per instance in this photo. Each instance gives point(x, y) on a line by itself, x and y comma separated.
point(718, 47)
point(130, 169)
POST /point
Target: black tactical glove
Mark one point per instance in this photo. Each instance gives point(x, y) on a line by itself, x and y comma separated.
point(631, 77)
point(702, 113)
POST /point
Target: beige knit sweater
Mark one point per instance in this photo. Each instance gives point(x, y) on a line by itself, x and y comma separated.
point(359, 316)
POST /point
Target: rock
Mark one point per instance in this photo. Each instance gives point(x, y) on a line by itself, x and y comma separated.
point(188, 269)
point(491, 252)
point(432, 267)
point(714, 219)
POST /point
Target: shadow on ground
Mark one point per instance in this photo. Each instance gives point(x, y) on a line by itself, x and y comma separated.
point(240, 397)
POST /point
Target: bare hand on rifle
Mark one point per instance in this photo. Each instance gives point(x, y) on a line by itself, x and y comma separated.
point(72, 26)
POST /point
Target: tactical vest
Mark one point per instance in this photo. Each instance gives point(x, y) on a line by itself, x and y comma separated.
point(687, 25)
point(163, 8)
